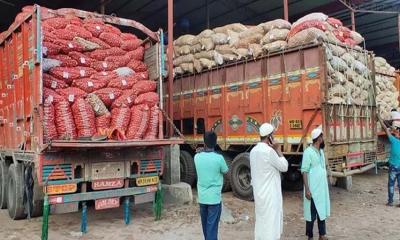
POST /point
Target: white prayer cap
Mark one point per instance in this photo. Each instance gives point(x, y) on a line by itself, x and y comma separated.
point(316, 133)
point(266, 129)
point(396, 123)
point(395, 115)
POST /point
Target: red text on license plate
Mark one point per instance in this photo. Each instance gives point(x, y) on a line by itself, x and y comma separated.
point(106, 203)
point(107, 184)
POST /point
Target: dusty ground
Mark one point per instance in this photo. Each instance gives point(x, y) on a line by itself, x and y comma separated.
point(358, 214)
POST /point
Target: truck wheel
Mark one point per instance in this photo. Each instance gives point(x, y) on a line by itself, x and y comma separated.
point(15, 193)
point(38, 195)
point(292, 180)
point(3, 185)
point(226, 187)
point(188, 170)
point(241, 177)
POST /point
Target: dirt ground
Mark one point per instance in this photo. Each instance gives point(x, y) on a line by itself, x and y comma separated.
point(357, 214)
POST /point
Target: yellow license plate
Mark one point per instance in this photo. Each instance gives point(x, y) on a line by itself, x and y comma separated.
point(62, 188)
point(144, 181)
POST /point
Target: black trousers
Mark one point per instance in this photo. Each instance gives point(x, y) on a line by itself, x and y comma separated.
point(310, 224)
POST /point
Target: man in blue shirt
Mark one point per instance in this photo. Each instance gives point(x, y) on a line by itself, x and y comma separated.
point(210, 168)
point(394, 159)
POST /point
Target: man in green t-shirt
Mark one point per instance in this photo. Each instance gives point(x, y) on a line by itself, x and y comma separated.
point(210, 168)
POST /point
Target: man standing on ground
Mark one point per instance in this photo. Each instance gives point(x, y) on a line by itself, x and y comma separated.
point(316, 191)
point(210, 168)
point(266, 163)
point(394, 159)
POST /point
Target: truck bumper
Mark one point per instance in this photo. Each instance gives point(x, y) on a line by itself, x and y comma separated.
point(86, 196)
point(352, 172)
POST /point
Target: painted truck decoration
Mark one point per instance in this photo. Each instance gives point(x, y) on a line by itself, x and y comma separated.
point(70, 172)
point(287, 89)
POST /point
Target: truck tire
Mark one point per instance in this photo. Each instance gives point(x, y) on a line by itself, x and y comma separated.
point(15, 193)
point(38, 195)
point(226, 187)
point(188, 169)
point(292, 180)
point(3, 185)
point(241, 178)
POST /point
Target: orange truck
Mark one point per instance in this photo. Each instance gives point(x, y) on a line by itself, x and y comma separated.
point(286, 88)
point(71, 172)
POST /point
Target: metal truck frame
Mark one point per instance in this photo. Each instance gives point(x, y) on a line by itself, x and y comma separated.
point(286, 88)
point(70, 172)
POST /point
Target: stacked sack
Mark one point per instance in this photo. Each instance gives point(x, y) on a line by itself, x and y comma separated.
point(228, 43)
point(314, 26)
point(386, 92)
point(95, 81)
point(349, 78)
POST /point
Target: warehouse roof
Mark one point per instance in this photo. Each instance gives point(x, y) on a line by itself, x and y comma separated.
point(191, 16)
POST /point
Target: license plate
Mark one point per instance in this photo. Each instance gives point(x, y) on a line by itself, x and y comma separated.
point(61, 188)
point(107, 184)
point(108, 170)
point(106, 203)
point(144, 181)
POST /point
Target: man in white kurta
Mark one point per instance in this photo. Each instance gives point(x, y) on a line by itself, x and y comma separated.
point(266, 163)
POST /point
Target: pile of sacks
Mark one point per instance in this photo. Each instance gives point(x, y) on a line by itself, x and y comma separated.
point(94, 80)
point(316, 26)
point(349, 78)
point(386, 92)
point(236, 41)
point(228, 43)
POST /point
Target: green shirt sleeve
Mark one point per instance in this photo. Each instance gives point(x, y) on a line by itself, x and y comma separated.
point(306, 162)
point(224, 167)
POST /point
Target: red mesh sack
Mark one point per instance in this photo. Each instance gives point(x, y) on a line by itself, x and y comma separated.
point(84, 118)
point(51, 96)
point(123, 82)
point(102, 66)
point(64, 120)
point(103, 122)
point(78, 31)
point(69, 46)
point(106, 76)
point(334, 22)
point(142, 75)
point(137, 66)
point(125, 100)
point(139, 122)
point(307, 24)
point(65, 60)
point(129, 45)
point(350, 41)
point(57, 22)
point(49, 36)
point(71, 93)
point(81, 58)
point(128, 36)
point(137, 54)
point(346, 32)
point(144, 86)
point(52, 82)
point(51, 48)
point(112, 39)
point(88, 84)
point(67, 74)
point(152, 128)
point(108, 95)
point(150, 98)
point(112, 29)
point(119, 61)
point(94, 28)
point(101, 54)
point(101, 43)
point(120, 118)
point(64, 34)
point(49, 126)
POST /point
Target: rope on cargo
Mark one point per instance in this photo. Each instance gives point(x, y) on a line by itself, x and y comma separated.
point(172, 123)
